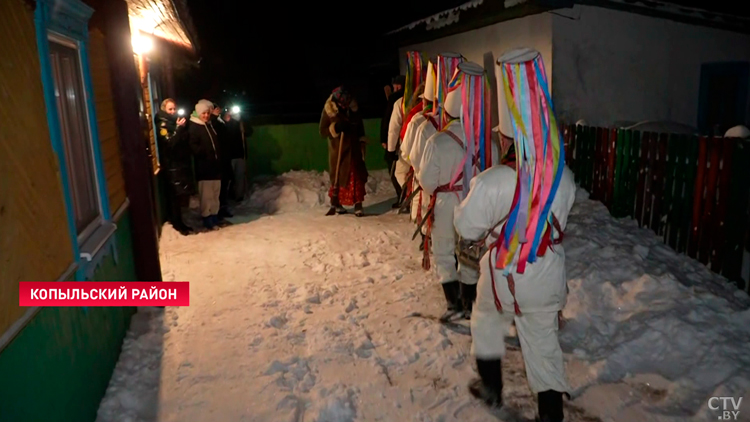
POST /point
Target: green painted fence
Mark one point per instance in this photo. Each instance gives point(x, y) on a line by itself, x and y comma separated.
point(692, 191)
point(275, 149)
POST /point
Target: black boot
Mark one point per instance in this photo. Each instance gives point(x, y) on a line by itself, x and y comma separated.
point(489, 386)
point(208, 222)
point(358, 210)
point(550, 406)
point(224, 213)
point(468, 296)
point(452, 291)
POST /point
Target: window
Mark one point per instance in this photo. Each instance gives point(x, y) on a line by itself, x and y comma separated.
point(62, 39)
point(76, 136)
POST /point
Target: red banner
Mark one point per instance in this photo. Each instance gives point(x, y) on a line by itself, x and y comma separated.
point(105, 293)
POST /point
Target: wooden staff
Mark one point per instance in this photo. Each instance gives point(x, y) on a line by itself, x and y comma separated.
point(338, 164)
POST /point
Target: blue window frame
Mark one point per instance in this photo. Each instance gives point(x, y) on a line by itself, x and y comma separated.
point(62, 41)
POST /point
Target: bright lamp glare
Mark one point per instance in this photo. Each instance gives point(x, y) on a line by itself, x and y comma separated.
point(235, 109)
point(181, 112)
point(141, 44)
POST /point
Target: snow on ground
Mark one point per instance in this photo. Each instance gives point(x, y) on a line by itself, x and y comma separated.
point(295, 316)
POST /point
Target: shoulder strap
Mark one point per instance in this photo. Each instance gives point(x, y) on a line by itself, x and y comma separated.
point(432, 120)
point(455, 138)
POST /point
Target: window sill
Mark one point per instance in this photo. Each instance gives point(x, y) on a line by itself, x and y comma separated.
point(94, 244)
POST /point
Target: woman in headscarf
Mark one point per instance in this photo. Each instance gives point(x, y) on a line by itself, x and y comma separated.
point(341, 124)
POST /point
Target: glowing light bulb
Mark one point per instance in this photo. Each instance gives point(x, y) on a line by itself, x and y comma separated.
point(141, 44)
point(235, 109)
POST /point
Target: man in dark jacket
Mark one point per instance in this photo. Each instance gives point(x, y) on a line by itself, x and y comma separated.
point(226, 162)
point(391, 157)
point(205, 146)
point(236, 151)
point(174, 154)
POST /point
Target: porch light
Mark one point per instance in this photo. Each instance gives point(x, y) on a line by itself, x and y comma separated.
point(141, 44)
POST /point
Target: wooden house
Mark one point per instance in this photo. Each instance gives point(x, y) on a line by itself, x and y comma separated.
point(77, 197)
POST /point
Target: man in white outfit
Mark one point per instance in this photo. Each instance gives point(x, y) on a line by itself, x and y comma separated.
point(539, 293)
point(428, 100)
point(440, 162)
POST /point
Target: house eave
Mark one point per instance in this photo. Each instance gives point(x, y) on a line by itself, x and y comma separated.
point(677, 13)
point(488, 12)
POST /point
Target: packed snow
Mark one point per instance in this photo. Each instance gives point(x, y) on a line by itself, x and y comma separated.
point(295, 316)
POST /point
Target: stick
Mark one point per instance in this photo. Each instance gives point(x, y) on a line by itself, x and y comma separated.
point(338, 164)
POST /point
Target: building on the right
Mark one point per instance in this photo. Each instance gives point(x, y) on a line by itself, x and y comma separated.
point(611, 62)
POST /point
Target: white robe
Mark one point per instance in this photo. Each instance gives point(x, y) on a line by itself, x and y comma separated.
point(540, 292)
point(409, 135)
point(394, 132)
point(441, 160)
point(425, 130)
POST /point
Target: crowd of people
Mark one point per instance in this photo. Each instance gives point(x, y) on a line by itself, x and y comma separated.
point(495, 232)
point(207, 147)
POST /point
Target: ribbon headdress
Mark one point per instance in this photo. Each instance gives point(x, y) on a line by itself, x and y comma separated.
point(447, 63)
point(470, 78)
point(540, 158)
point(415, 75)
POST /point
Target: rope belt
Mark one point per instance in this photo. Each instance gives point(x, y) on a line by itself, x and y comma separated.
point(431, 212)
point(546, 244)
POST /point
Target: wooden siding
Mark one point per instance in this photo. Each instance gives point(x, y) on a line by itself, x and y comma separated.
point(109, 137)
point(34, 239)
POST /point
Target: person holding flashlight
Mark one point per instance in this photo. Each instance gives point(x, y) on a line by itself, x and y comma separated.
point(175, 161)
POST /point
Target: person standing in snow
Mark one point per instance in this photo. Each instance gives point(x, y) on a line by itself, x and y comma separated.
point(395, 103)
point(174, 153)
point(204, 144)
point(237, 154)
point(342, 125)
point(418, 115)
point(442, 159)
point(220, 127)
point(533, 297)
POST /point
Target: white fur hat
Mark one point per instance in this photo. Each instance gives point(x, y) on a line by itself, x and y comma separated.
point(203, 106)
point(738, 132)
point(453, 99)
point(429, 85)
point(519, 55)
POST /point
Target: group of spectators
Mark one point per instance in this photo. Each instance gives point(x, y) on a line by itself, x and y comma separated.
point(208, 147)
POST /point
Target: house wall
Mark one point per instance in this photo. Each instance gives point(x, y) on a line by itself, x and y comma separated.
point(34, 240)
point(617, 66)
point(109, 136)
point(484, 45)
point(58, 367)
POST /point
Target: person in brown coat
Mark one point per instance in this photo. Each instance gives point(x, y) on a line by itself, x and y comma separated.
point(341, 124)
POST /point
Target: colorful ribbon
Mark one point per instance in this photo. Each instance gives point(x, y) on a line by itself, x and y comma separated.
point(540, 161)
point(475, 120)
point(446, 68)
point(415, 75)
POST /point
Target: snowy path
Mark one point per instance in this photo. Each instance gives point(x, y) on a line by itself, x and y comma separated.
point(300, 317)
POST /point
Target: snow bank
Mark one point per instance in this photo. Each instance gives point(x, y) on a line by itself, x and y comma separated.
point(638, 307)
point(302, 190)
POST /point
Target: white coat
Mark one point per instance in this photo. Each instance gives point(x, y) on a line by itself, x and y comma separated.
point(540, 292)
point(441, 160)
point(394, 132)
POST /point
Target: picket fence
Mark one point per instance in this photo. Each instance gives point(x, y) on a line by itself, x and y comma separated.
point(692, 191)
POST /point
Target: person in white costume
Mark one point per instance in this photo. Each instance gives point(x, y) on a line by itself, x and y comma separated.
point(540, 292)
point(441, 161)
point(394, 131)
point(428, 98)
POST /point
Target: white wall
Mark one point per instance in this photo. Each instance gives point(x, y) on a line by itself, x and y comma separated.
point(612, 65)
point(484, 45)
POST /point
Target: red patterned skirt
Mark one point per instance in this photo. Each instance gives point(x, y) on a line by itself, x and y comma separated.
point(353, 192)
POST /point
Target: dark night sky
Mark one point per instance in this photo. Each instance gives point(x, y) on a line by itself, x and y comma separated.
point(288, 56)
